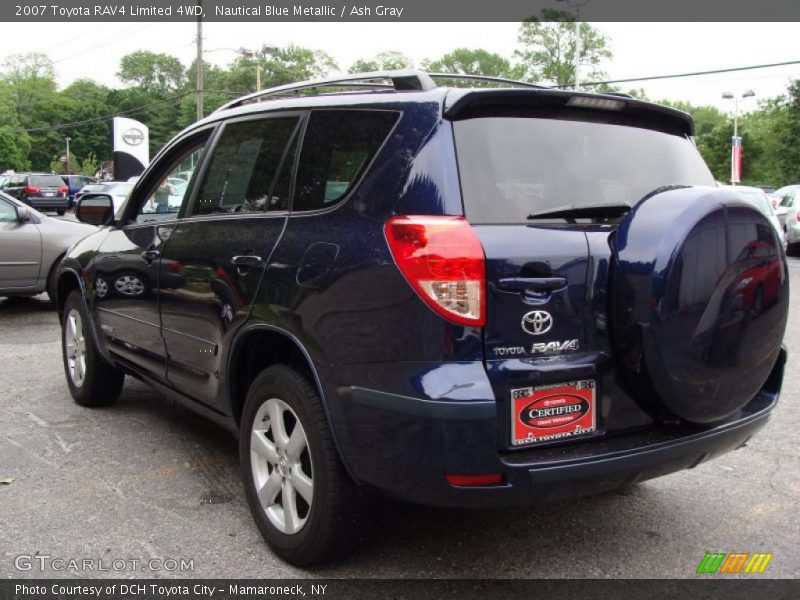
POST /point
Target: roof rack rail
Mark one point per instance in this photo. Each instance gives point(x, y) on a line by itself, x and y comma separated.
point(484, 78)
point(401, 81)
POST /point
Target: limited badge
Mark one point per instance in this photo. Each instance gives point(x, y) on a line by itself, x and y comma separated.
point(552, 412)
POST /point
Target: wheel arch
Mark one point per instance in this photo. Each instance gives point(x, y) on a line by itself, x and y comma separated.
point(68, 279)
point(259, 346)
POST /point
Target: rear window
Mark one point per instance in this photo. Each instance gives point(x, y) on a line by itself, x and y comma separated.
point(46, 181)
point(337, 148)
point(514, 167)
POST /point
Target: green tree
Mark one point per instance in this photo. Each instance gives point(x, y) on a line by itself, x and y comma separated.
point(766, 126)
point(548, 49)
point(467, 61)
point(295, 63)
point(390, 60)
point(156, 74)
point(786, 130)
point(40, 109)
point(14, 146)
point(90, 104)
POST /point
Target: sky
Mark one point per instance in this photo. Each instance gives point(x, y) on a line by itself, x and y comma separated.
point(640, 49)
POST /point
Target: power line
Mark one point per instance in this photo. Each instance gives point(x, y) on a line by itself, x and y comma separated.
point(107, 41)
point(692, 74)
point(130, 111)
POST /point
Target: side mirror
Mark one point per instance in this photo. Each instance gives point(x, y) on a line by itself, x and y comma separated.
point(95, 209)
point(23, 214)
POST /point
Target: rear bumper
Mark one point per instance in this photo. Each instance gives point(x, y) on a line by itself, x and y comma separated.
point(405, 447)
point(48, 203)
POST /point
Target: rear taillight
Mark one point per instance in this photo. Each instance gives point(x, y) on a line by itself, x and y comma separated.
point(63, 190)
point(29, 189)
point(442, 258)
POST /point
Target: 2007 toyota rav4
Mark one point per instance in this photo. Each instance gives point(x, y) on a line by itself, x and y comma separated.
point(457, 297)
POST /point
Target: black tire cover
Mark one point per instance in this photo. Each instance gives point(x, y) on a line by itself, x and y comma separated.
point(699, 298)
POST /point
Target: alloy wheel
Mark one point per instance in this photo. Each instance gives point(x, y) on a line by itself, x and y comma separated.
point(76, 347)
point(281, 466)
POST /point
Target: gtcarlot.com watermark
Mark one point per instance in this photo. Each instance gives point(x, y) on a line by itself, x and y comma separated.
point(46, 562)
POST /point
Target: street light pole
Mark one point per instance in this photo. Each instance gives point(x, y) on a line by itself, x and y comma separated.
point(67, 139)
point(736, 141)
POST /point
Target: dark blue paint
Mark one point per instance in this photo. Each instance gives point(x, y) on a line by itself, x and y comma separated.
point(410, 396)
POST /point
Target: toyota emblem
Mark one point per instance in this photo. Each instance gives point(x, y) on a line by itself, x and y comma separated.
point(537, 322)
point(133, 136)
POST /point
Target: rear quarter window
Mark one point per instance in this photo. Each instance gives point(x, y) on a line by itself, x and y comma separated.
point(337, 148)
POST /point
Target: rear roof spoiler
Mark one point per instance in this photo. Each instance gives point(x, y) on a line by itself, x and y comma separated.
point(460, 104)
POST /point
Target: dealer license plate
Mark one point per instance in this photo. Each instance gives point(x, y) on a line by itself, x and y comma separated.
point(558, 411)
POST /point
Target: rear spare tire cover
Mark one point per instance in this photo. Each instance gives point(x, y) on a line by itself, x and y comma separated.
point(699, 299)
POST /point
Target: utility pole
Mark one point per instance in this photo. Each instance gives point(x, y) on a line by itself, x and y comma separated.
point(577, 5)
point(199, 88)
point(67, 139)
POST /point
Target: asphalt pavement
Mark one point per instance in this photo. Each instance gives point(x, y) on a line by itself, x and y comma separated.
point(148, 482)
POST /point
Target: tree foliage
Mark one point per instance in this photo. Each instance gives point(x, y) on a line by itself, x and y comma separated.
point(156, 74)
point(468, 61)
point(385, 61)
point(36, 116)
point(548, 49)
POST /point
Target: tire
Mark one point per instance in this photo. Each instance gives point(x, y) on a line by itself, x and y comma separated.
point(60, 212)
point(325, 528)
point(91, 381)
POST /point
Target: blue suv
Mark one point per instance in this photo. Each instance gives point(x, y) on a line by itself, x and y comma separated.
point(456, 297)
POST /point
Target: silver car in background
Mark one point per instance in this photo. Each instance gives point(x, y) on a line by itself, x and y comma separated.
point(31, 244)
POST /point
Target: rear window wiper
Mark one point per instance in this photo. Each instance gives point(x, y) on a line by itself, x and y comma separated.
point(586, 211)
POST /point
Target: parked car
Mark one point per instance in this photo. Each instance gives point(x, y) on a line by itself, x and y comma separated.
point(31, 244)
point(761, 201)
point(118, 190)
point(778, 195)
point(44, 191)
point(791, 222)
point(787, 202)
point(457, 297)
point(74, 184)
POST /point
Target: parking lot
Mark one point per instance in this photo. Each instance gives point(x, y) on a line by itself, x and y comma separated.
point(146, 479)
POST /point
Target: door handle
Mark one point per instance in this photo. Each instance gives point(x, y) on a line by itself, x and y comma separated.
point(534, 284)
point(150, 255)
point(245, 262)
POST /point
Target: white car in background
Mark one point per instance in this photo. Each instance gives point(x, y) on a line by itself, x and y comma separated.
point(780, 198)
point(791, 221)
point(118, 190)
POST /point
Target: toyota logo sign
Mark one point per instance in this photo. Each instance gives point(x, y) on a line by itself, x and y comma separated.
point(537, 322)
point(133, 137)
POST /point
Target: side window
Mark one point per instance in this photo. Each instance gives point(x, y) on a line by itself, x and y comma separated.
point(242, 171)
point(337, 147)
point(7, 211)
point(166, 194)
